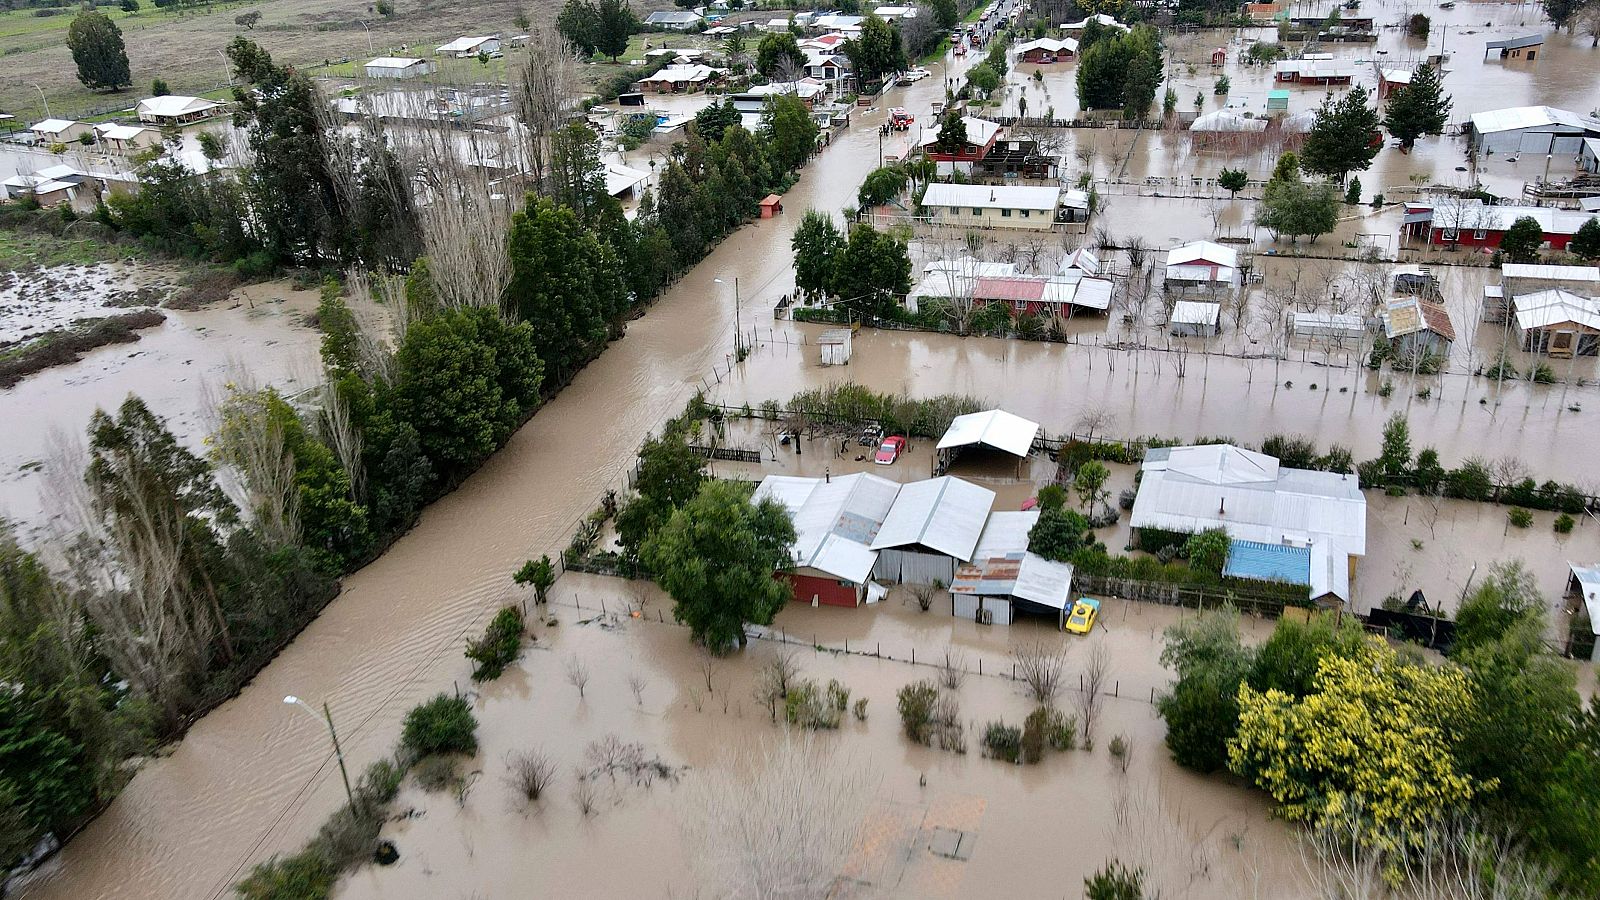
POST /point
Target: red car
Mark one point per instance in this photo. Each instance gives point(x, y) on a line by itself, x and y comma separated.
point(890, 451)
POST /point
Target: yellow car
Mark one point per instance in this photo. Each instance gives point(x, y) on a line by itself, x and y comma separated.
point(1083, 615)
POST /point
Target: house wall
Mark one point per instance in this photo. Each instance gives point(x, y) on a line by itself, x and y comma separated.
point(1588, 159)
point(993, 217)
point(1577, 338)
point(828, 591)
point(1041, 55)
point(1473, 237)
point(913, 567)
point(966, 606)
point(1194, 329)
point(72, 133)
point(1543, 139)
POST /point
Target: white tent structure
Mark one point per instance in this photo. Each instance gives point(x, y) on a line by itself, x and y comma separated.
point(932, 525)
point(992, 428)
point(1004, 577)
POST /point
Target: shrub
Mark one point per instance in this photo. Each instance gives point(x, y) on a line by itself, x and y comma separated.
point(809, 707)
point(1564, 523)
point(444, 724)
point(1003, 741)
point(499, 646)
point(1046, 725)
point(1208, 550)
point(1519, 517)
point(307, 875)
point(436, 773)
point(916, 703)
point(1541, 373)
point(860, 709)
point(838, 695)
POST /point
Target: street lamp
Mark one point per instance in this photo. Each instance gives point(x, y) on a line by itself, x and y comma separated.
point(42, 99)
point(738, 339)
point(369, 37)
point(327, 716)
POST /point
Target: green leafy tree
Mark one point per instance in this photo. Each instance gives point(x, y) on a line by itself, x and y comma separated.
point(946, 13)
point(577, 176)
point(158, 88)
point(882, 185)
point(98, 52)
point(1352, 191)
point(1375, 735)
point(983, 77)
point(1208, 550)
point(614, 22)
point(45, 782)
point(876, 53)
point(565, 284)
point(1586, 243)
point(1562, 12)
point(576, 23)
point(670, 474)
point(1058, 533)
point(1202, 710)
point(1522, 240)
point(716, 557)
point(777, 49)
point(1115, 881)
point(789, 131)
point(1288, 660)
point(1394, 457)
point(1090, 483)
point(1418, 25)
point(871, 271)
point(1418, 108)
point(444, 724)
point(816, 244)
point(952, 133)
point(714, 119)
point(540, 575)
point(1573, 836)
point(1507, 596)
point(1233, 180)
point(1341, 137)
point(1291, 207)
point(1120, 71)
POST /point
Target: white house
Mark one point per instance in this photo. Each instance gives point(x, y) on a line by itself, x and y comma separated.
point(992, 206)
point(890, 13)
point(1102, 18)
point(1314, 520)
point(125, 138)
point(175, 110)
point(1557, 323)
point(1531, 129)
point(61, 131)
point(467, 47)
point(1202, 267)
point(1194, 318)
point(398, 67)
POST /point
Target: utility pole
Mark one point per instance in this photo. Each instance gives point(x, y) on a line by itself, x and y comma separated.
point(338, 751)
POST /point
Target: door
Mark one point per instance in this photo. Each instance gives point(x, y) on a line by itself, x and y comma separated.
point(1561, 344)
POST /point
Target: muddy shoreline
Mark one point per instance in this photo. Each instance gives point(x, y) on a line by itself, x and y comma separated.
point(67, 346)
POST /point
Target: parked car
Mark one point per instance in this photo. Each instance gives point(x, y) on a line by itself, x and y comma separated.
point(890, 450)
point(912, 76)
point(1084, 612)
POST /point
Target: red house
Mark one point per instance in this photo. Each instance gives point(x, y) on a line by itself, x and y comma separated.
point(835, 521)
point(1044, 51)
point(1456, 222)
point(981, 136)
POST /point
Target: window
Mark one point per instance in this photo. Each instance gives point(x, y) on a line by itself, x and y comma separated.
point(1026, 213)
point(1021, 305)
point(1479, 234)
point(1450, 234)
point(1005, 213)
point(976, 211)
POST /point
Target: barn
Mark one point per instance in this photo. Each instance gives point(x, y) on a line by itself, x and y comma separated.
point(1004, 579)
point(1531, 129)
point(1203, 268)
point(932, 526)
point(835, 519)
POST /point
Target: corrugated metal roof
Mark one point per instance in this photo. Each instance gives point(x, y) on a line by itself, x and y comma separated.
point(1514, 43)
point(995, 428)
point(1203, 251)
point(1050, 44)
point(835, 520)
point(1409, 315)
point(1515, 118)
point(1082, 260)
point(1589, 583)
point(1542, 309)
point(1328, 323)
point(1195, 312)
point(979, 131)
point(944, 514)
point(1269, 562)
point(1550, 273)
point(1012, 288)
point(1002, 566)
point(999, 196)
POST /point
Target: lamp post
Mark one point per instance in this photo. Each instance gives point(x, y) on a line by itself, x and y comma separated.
point(338, 752)
point(369, 37)
point(738, 338)
point(42, 99)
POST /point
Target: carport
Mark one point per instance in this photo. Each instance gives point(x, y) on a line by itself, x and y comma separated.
point(995, 430)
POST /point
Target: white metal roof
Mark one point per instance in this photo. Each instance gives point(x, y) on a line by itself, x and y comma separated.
point(979, 131)
point(620, 178)
point(1093, 293)
point(834, 520)
point(1541, 309)
point(52, 126)
point(1004, 542)
point(956, 277)
point(1588, 578)
point(1082, 259)
point(1397, 76)
point(1346, 325)
point(1515, 118)
point(393, 62)
point(995, 428)
point(682, 74)
point(1312, 67)
point(462, 44)
point(943, 514)
point(1195, 312)
point(983, 196)
point(1550, 273)
point(1228, 121)
point(1102, 18)
point(1191, 489)
point(120, 132)
point(1050, 44)
point(174, 105)
point(1203, 251)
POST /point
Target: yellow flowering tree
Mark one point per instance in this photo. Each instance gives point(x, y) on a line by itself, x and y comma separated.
point(1374, 735)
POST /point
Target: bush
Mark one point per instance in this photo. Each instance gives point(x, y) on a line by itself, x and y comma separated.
point(916, 703)
point(444, 724)
point(307, 875)
point(1003, 741)
point(1208, 550)
point(1047, 725)
point(809, 707)
point(1519, 517)
point(499, 646)
point(1564, 523)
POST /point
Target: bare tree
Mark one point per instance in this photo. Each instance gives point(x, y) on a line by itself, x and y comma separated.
point(1041, 667)
point(708, 671)
point(953, 671)
point(636, 683)
point(530, 773)
point(342, 435)
point(583, 793)
point(778, 821)
point(577, 674)
point(542, 90)
point(1096, 671)
point(248, 439)
point(774, 680)
point(1099, 417)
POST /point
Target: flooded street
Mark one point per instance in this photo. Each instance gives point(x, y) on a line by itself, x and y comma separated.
point(253, 778)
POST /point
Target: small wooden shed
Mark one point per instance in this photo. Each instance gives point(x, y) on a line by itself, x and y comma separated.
point(835, 344)
point(1219, 56)
point(771, 205)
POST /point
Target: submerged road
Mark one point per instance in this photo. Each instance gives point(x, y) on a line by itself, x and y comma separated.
point(255, 778)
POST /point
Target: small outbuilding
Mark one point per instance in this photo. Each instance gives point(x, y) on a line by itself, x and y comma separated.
point(771, 205)
point(835, 344)
point(1195, 318)
point(1047, 50)
point(468, 47)
point(61, 131)
point(1414, 325)
point(1328, 328)
point(995, 428)
point(1524, 46)
point(1557, 323)
point(1583, 585)
point(1202, 267)
point(398, 67)
point(127, 138)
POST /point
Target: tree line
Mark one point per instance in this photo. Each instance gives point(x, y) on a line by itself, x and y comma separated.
point(175, 591)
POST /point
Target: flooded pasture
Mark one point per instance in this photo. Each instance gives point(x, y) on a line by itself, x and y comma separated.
point(254, 778)
point(36, 302)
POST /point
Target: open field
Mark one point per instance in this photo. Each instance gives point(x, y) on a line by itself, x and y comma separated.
point(186, 50)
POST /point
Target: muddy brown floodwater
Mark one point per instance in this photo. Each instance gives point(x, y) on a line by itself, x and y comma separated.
point(255, 778)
